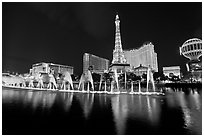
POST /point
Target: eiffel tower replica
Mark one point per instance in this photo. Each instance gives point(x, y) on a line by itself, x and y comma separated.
point(119, 62)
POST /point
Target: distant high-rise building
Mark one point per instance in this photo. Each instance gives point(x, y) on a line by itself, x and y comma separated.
point(95, 63)
point(145, 56)
point(119, 62)
point(172, 71)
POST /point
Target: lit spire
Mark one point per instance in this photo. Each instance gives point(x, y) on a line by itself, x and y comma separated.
point(118, 55)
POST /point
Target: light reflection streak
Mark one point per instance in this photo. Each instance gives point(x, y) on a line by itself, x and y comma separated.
point(156, 111)
point(36, 99)
point(183, 104)
point(49, 99)
point(149, 109)
point(102, 100)
point(189, 100)
point(144, 108)
point(67, 100)
point(196, 99)
point(190, 106)
point(28, 98)
point(120, 111)
point(86, 101)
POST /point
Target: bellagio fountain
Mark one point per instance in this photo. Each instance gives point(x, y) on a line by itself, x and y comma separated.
point(85, 85)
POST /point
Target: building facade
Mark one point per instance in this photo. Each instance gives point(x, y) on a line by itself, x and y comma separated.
point(145, 56)
point(97, 64)
point(173, 70)
point(139, 71)
point(50, 67)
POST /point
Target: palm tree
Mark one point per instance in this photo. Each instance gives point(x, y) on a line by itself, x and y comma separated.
point(144, 76)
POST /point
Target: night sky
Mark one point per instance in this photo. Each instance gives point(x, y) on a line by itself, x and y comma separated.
point(61, 32)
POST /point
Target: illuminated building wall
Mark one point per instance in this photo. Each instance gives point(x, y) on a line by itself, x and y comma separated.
point(97, 63)
point(145, 56)
point(173, 69)
point(48, 67)
point(139, 71)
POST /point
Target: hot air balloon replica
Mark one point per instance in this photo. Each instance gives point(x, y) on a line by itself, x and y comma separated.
point(192, 49)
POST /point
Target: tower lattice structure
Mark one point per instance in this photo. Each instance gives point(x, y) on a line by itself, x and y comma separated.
point(118, 55)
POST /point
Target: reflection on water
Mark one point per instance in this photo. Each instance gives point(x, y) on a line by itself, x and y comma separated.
point(144, 108)
point(67, 99)
point(191, 107)
point(35, 99)
point(120, 111)
point(129, 114)
point(41, 99)
point(86, 102)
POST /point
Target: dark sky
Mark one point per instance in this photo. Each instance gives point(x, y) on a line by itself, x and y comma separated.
point(62, 32)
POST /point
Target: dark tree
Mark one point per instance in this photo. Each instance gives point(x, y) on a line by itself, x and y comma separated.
point(163, 77)
point(134, 77)
point(107, 77)
point(90, 68)
point(144, 76)
point(156, 75)
point(96, 77)
point(74, 77)
point(138, 78)
point(174, 78)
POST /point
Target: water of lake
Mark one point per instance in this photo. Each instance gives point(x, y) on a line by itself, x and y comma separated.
point(40, 112)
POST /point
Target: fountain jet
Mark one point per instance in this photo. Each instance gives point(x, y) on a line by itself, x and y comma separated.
point(67, 77)
point(89, 78)
point(100, 82)
point(132, 87)
point(139, 87)
point(150, 78)
point(52, 80)
point(116, 78)
point(81, 81)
